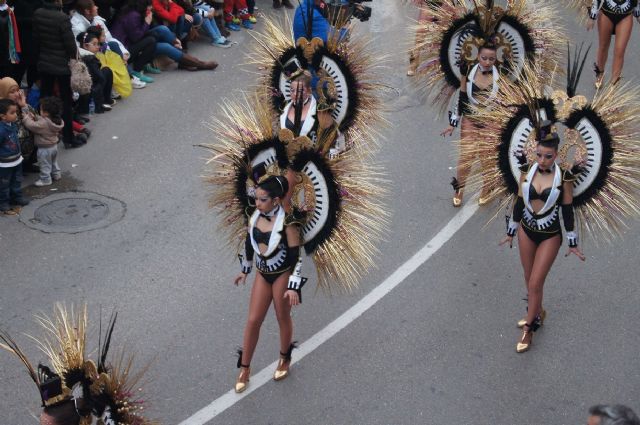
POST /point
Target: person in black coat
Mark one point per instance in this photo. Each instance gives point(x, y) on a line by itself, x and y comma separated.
point(54, 47)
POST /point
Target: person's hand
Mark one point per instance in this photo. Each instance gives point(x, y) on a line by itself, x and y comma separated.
point(241, 278)
point(506, 239)
point(148, 18)
point(188, 18)
point(211, 14)
point(22, 99)
point(126, 57)
point(177, 44)
point(591, 23)
point(294, 299)
point(447, 131)
point(325, 120)
point(575, 251)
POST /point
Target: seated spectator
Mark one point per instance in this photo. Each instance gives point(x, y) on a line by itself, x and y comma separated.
point(176, 18)
point(209, 24)
point(86, 15)
point(46, 129)
point(241, 14)
point(132, 27)
point(617, 414)
point(102, 78)
point(110, 56)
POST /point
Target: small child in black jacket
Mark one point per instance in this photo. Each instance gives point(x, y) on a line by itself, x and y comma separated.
point(102, 77)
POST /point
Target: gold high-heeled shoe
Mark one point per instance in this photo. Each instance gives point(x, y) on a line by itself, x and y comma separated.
point(599, 76)
point(243, 379)
point(543, 315)
point(282, 371)
point(457, 200)
point(522, 346)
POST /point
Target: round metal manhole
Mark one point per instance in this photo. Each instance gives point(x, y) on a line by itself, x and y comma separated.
point(72, 212)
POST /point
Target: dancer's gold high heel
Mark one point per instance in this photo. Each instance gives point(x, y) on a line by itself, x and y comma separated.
point(282, 371)
point(539, 319)
point(457, 197)
point(522, 346)
point(599, 76)
point(245, 372)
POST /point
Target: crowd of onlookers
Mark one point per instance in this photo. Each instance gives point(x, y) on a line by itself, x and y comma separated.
point(120, 43)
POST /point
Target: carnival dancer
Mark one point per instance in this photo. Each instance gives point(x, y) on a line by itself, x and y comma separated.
point(587, 174)
point(614, 17)
point(545, 189)
point(424, 17)
point(471, 48)
point(77, 389)
point(275, 239)
point(287, 194)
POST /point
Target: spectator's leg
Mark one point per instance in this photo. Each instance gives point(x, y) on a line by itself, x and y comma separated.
point(163, 34)
point(56, 172)
point(46, 85)
point(142, 53)
point(15, 193)
point(166, 49)
point(82, 107)
point(64, 85)
point(5, 187)
point(44, 159)
point(108, 84)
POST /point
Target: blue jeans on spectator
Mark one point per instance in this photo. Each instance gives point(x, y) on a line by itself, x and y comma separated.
point(209, 25)
point(182, 27)
point(10, 185)
point(164, 46)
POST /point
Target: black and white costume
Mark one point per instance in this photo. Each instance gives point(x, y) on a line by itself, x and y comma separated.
point(545, 223)
point(615, 10)
point(279, 257)
point(473, 95)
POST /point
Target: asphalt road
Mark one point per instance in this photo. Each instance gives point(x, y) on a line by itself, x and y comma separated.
point(439, 349)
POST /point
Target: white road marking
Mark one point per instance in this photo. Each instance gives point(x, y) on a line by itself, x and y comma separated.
point(405, 270)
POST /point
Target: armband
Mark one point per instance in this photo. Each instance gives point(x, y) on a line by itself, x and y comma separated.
point(594, 9)
point(567, 218)
point(636, 11)
point(296, 280)
point(246, 256)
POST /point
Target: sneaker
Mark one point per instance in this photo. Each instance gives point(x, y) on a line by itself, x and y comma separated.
point(111, 102)
point(150, 69)
point(80, 139)
point(252, 19)
point(231, 26)
point(236, 20)
point(223, 43)
point(40, 183)
point(107, 107)
point(248, 25)
point(142, 77)
point(115, 95)
point(136, 83)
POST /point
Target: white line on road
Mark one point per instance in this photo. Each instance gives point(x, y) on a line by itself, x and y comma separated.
point(405, 270)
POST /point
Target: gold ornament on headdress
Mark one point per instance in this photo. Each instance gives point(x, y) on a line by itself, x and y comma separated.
point(309, 47)
point(565, 104)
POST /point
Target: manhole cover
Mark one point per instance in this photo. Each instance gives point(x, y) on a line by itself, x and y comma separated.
point(72, 212)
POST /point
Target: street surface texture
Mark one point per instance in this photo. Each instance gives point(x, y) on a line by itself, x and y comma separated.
point(437, 349)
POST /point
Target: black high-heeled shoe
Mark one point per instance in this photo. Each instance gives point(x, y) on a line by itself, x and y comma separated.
point(282, 371)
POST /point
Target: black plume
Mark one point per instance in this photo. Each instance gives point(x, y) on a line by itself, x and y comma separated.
point(574, 68)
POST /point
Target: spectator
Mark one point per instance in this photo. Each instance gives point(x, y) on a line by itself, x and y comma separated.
point(101, 77)
point(242, 11)
point(10, 159)
point(319, 24)
point(209, 24)
point(218, 6)
point(132, 26)
point(610, 414)
point(86, 15)
point(23, 10)
point(176, 18)
point(9, 89)
point(108, 9)
point(46, 129)
point(55, 46)
point(277, 4)
point(9, 40)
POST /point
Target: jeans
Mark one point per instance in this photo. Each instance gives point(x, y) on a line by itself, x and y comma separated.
point(48, 161)
point(10, 185)
point(164, 43)
point(182, 27)
point(209, 25)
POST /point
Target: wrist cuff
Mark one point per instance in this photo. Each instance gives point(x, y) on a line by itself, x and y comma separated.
point(246, 265)
point(453, 119)
point(593, 13)
point(512, 228)
point(572, 238)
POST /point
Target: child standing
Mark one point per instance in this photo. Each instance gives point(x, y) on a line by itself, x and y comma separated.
point(10, 159)
point(46, 129)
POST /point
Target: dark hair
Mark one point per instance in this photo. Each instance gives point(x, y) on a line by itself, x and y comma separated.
point(52, 106)
point(139, 6)
point(617, 414)
point(275, 186)
point(63, 413)
point(86, 37)
point(5, 104)
point(546, 136)
point(82, 5)
point(490, 45)
point(95, 29)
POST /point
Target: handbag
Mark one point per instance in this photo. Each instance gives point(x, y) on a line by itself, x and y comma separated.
point(80, 78)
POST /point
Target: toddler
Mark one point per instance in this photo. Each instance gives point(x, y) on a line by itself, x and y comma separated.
point(10, 159)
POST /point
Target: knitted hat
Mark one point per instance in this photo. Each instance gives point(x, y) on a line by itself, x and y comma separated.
point(6, 84)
